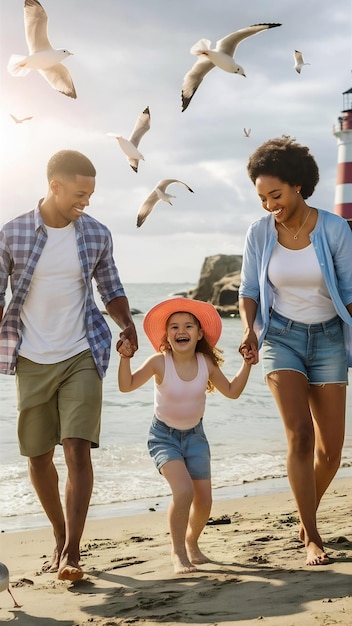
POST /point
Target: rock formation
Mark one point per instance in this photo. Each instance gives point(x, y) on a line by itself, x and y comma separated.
point(219, 282)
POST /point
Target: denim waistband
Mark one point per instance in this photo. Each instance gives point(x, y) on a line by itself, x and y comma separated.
point(313, 328)
point(169, 429)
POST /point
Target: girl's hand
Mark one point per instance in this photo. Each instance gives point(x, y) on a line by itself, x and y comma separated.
point(125, 349)
point(250, 355)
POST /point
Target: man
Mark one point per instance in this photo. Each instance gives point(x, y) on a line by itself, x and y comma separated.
point(56, 341)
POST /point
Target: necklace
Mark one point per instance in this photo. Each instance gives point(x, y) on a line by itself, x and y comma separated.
point(300, 228)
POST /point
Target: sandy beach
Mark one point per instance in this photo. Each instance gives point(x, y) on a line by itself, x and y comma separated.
point(257, 573)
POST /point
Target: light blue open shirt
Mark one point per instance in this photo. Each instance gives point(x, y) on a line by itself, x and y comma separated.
point(332, 242)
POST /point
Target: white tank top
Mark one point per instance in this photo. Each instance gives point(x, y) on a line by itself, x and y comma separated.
point(53, 312)
point(179, 403)
point(300, 292)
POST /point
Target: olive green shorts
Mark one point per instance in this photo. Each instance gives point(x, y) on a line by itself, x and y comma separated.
point(57, 401)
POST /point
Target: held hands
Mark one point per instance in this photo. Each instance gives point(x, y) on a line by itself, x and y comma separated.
point(127, 345)
point(249, 348)
point(250, 356)
point(125, 349)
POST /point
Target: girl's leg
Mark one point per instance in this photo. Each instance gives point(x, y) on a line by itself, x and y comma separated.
point(181, 486)
point(291, 392)
point(198, 517)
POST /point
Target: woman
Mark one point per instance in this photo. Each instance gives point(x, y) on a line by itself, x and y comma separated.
point(296, 305)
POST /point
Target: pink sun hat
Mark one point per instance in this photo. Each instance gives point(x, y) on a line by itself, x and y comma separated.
point(155, 319)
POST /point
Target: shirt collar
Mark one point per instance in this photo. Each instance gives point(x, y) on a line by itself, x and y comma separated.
point(38, 220)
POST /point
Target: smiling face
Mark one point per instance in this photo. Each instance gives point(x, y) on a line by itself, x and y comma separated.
point(68, 198)
point(183, 332)
point(279, 198)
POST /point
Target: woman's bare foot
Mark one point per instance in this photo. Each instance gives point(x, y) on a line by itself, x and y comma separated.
point(301, 533)
point(316, 555)
point(196, 556)
point(182, 565)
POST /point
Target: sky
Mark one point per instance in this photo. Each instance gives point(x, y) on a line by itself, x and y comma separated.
point(129, 54)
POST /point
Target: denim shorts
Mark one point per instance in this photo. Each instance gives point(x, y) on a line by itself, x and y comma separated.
point(190, 446)
point(315, 350)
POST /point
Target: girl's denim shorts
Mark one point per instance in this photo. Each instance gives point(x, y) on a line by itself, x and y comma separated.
point(315, 350)
point(190, 446)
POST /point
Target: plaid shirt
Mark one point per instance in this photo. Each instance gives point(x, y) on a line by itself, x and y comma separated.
point(21, 243)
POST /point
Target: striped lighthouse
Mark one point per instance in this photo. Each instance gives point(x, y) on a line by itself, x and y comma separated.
point(343, 133)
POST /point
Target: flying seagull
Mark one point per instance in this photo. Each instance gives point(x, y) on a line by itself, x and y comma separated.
point(299, 62)
point(19, 121)
point(42, 56)
point(158, 193)
point(5, 583)
point(222, 56)
point(130, 146)
point(246, 132)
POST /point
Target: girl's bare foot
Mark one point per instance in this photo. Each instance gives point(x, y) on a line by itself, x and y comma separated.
point(182, 565)
point(316, 555)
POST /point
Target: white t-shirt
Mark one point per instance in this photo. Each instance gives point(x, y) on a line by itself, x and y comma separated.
point(53, 312)
point(300, 292)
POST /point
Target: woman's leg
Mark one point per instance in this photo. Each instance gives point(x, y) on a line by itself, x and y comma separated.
point(290, 390)
point(198, 517)
point(328, 407)
point(181, 486)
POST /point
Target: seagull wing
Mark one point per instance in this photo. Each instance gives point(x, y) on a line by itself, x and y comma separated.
point(141, 126)
point(36, 25)
point(298, 56)
point(60, 79)
point(193, 79)
point(15, 118)
point(229, 43)
point(147, 207)
point(163, 184)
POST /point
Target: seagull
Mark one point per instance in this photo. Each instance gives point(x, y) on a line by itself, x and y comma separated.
point(158, 193)
point(222, 56)
point(130, 146)
point(42, 56)
point(246, 132)
point(23, 119)
point(299, 62)
point(5, 583)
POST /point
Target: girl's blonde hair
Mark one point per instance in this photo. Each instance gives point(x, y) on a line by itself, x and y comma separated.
point(202, 346)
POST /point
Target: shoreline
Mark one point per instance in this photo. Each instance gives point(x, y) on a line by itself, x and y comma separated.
point(265, 486)
point(257, 571)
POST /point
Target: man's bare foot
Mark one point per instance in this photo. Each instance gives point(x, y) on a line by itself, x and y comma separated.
point(316, 555)
point(196, 556)
point(182, 565)
point(52, 566)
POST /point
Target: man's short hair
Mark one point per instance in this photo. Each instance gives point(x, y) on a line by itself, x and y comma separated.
point(69, 163)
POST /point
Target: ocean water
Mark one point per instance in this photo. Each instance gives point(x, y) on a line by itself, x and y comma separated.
point(246, 436)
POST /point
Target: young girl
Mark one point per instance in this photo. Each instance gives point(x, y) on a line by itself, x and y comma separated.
point(184, 333)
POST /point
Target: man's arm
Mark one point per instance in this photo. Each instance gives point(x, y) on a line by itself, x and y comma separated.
point(119, 311)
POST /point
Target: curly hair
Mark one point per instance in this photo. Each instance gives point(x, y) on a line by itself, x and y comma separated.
point(287, 160)
point(69, 163)
point(202, 346)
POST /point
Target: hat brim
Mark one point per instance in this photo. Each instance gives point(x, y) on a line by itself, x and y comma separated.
point(154, 322)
